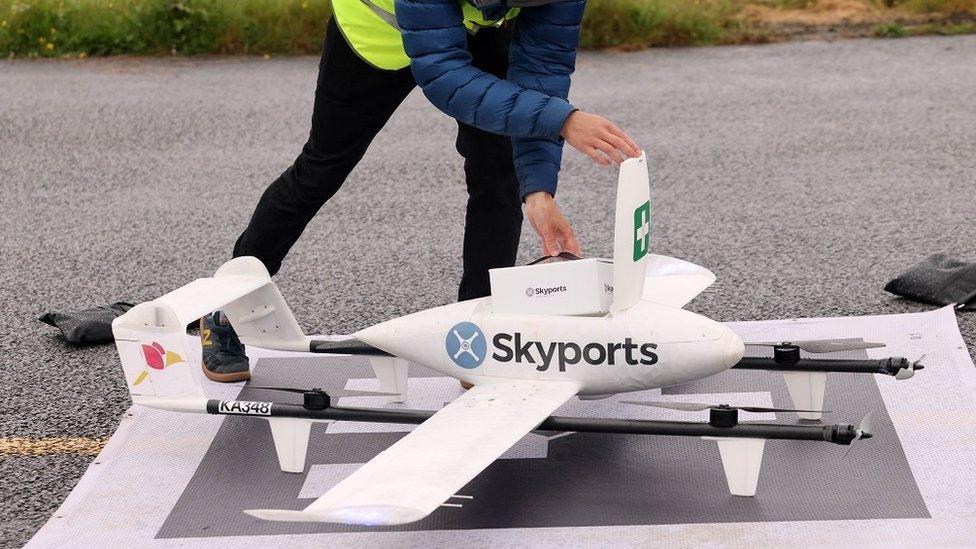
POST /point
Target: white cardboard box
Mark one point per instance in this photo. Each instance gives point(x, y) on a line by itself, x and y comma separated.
point(577, 287)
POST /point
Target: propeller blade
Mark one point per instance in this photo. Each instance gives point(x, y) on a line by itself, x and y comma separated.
point(822, 346)
point(909, 371)
point(760, 409)
point(356, 393)
point(850, 448)
point(682, 406)
point(283, 389)
point(700, 407)
point(865, 427)
point(334, 393)
point(862, 431)
point(834, 346)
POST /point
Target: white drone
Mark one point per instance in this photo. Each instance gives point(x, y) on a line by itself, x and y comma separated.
point(647, 341)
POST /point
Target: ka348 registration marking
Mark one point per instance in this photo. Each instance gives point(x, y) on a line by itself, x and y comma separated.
point(244, 407)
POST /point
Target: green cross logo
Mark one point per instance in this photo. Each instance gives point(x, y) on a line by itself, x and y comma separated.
point(642, 230)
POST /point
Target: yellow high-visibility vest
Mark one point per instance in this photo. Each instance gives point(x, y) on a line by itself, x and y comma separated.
point(370, 28)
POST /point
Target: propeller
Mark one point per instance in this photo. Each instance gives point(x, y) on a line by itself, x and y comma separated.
point(700, 407)
point(821, 346)
point(334, 393)
point(909, 371)
point(863, 431)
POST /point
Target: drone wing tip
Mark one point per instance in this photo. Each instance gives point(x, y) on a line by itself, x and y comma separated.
point(283, 515)
point(366, 515)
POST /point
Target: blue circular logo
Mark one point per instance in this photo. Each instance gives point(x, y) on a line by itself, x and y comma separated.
point(466, 345)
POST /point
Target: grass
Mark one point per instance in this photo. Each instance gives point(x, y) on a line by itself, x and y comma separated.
point(68, 28)
point(54, 28)
point(947, 30)
point(937, 6)
point(891, 30)
point(645, 23)
point(894, 30)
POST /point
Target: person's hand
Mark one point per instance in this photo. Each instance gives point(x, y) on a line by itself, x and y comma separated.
point(553, 227)
point(598, 138)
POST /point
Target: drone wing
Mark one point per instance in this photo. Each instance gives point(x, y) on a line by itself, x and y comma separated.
point(412, 478)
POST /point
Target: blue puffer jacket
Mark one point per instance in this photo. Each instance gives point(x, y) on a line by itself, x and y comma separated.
point(529, 106)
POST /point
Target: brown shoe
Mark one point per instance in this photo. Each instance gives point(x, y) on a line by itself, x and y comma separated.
point(230, 377)
point(465, 385)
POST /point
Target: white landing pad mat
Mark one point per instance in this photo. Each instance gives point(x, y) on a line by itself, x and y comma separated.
point(182, 480)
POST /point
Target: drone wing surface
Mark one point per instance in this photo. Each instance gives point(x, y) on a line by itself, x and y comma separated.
point(413, 477)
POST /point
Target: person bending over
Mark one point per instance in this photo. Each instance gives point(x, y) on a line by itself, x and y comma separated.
point(501, 68)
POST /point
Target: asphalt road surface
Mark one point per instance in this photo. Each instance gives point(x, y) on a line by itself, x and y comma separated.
point(804, 174)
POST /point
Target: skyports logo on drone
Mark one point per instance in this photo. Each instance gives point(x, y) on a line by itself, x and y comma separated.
point(468, 348)
point(642, 230)
point(466, 345)
point(511, 347)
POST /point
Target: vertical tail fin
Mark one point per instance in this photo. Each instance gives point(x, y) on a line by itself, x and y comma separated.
point(156, 355)
point(160, 367)
point(632, 233)
point(259, 315)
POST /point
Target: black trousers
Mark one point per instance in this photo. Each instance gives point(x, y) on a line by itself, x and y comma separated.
point(353, 101)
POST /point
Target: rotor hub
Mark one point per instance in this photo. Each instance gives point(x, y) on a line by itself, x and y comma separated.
point(723, 416)
point(786, 353)
point(316, 399)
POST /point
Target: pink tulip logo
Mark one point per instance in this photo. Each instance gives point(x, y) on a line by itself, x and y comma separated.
point(157, 358)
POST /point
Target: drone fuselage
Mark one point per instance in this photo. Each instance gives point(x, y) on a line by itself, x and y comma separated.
point(643, 347)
